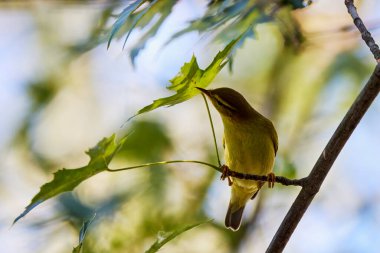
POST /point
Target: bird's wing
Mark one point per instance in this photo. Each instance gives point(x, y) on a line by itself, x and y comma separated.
point(273, 135)
point(274, 138)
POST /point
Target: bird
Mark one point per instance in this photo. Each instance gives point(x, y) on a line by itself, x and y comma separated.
point(250, 145)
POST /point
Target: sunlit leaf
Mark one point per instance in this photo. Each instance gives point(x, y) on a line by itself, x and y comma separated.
point(191, 76)
point(67, 179)
point(165, 237)
point(82, 233)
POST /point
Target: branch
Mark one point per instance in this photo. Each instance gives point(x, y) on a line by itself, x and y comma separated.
point(334, 146)
point(366, 35)
point(279, 179)
point(228, 172)
point(164, 162)
point(325, 161)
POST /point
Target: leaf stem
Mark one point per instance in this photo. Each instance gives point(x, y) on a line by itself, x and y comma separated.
point(165, 162)
point(212, 129)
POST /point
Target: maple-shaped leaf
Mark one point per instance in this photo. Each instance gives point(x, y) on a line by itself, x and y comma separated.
point(67, 179)
point(191, 76)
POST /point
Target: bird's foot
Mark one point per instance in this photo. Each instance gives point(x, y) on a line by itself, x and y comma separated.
point(225, 170)
point(271, 177)
point(225, 175)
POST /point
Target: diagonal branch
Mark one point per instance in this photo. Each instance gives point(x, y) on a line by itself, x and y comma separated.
point(278, 179)
point(366, 35)
point(325, 161)
point(334, 146)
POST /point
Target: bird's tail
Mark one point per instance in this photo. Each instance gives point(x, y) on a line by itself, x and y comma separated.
point(233, 217)
point(239, 196)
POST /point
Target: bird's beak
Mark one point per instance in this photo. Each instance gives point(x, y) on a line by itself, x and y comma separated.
point(204, 91)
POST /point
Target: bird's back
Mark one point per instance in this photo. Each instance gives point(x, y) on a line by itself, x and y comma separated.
point(250, 146)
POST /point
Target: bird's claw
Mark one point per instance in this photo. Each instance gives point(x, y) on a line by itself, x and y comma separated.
point(271, 177)
point(225, 175)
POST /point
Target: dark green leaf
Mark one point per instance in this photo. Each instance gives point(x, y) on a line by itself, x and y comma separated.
point(66, 180)
point(165, 237)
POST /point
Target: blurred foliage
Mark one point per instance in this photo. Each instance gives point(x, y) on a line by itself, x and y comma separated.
point(165, 237)
point(82, 233)
point(285, 167)
point(140, 14)
point(350, 64)
point(42, 92)
point(148, 141)
point(227, 20)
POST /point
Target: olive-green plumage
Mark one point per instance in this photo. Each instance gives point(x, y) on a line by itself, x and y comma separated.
point(250, 146)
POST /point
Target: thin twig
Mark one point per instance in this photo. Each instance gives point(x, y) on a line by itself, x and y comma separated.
point(212, 129)
point(164, 162)
point(366, 35)
point(325, 161)
point(279, 179)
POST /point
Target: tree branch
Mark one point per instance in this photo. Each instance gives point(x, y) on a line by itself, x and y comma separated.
point(279, 179)
point(334, 146)
point(366, 35)
point(226, 171)
point(325, 161)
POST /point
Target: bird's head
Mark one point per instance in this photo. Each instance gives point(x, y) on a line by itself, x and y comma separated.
point(229, 102)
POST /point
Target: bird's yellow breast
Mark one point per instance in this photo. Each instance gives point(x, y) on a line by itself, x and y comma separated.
point(249, 147)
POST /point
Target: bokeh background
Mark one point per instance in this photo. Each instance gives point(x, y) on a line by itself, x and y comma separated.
point(58, 98)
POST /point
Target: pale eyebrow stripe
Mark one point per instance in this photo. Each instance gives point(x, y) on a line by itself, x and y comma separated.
point(224, 103)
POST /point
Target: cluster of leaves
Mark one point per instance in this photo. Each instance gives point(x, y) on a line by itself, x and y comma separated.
point(225, 20)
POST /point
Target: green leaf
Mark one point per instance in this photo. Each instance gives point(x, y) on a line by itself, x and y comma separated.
point(82, 233)
point(67, 179)
point(123, 17)
point(137, 18)
point(165, 237)
point(159, 8)
point(191, 76)
point(218, 14)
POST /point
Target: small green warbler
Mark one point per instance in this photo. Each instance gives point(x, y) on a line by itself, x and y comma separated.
point(250, 145)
